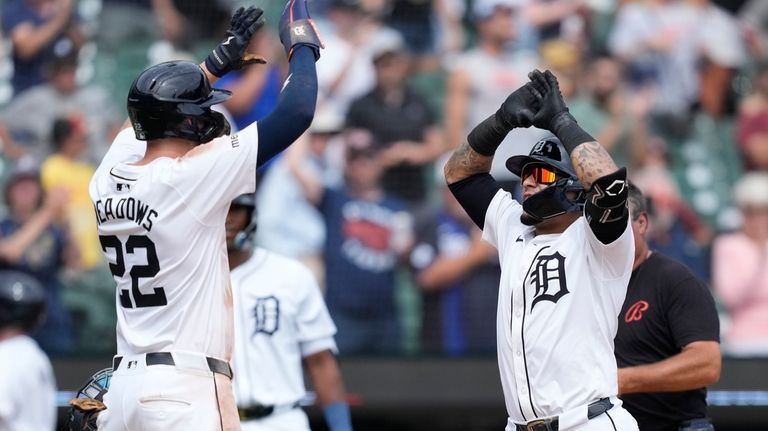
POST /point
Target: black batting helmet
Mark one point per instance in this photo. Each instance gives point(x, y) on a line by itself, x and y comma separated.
point(22, 300)
point(244, 238)
point(173, 100)
point(553, 200)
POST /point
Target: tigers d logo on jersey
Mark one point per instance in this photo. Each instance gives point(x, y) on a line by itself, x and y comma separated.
point(548, 278)
point(266, 313)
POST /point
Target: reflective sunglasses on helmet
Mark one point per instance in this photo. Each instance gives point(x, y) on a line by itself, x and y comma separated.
point(543, 174)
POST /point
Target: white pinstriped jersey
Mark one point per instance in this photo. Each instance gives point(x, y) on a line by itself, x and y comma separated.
point(280, 317)
point(559, 300)
point(161, 227)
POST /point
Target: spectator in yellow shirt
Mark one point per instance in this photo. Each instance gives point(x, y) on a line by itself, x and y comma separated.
point(66, 168)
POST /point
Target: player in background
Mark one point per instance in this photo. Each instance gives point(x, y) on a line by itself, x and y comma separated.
point(280, 321)
point(161, 209)
point(27, 384)
point(563, 276)
point(667, 345)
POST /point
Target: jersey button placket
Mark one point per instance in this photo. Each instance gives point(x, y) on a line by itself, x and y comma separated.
point(516, 328)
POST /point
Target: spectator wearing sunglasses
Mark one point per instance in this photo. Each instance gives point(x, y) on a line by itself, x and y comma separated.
point(563, 276)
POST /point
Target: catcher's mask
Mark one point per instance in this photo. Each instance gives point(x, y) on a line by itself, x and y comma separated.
point(173, 100)
point(554, 200)
point(89, 402)
point(244, 238)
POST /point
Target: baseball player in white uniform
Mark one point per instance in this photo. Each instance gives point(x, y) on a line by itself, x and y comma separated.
point(161, 208)
point(564, 276)
point(280, 320)
point(27, 385)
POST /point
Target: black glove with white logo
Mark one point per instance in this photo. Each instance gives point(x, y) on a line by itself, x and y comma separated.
point(231, 53)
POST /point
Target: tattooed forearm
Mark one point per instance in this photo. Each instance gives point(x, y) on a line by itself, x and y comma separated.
point(591, 161)
point(465, 162)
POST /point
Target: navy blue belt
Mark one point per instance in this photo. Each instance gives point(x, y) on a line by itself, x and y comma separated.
point(594, 410)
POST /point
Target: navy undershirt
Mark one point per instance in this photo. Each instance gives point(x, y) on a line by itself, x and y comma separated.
point(295, 107)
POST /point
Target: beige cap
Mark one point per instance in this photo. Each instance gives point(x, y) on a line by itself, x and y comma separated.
point(752, 190)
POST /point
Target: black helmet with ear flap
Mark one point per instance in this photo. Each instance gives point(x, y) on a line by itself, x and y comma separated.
point(566, 194)
point(22, 301)
point(173, 100)
point(244, 238)
point(549, 151)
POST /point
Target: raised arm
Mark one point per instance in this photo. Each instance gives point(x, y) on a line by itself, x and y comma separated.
point(231, 53)
point(28, 39)
point(590, 159)
point(467, 171)
point(606, 206)
point(12, 248)
point(296, 105)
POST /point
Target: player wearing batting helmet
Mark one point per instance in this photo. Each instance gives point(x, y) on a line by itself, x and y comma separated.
point(563, 276)
point(281, 322)
point(27, 384)
point(161, 196)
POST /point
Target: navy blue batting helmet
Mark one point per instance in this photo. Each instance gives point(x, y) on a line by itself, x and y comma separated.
point(554, 200)
point(244, 238)
point(22, 300)
point(173, 100)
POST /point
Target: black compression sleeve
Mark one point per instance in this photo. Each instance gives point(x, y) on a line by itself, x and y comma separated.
point(569, 132)
point(606, 206)
point(295, 107)
point(475, 194)
point(486, 137)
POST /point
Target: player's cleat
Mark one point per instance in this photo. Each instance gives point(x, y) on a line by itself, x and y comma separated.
point(297, 28)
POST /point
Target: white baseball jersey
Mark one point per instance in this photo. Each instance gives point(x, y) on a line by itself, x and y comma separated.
point(280, 317)
point(161, 227)
point(27, 387)
point(559, 298)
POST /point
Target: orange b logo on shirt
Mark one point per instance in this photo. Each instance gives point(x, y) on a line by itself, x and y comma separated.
point(635, 312)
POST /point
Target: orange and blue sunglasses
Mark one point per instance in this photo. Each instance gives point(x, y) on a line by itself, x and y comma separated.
point(541, 173)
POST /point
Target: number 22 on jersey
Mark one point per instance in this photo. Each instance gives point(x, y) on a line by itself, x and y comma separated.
point(135, 298)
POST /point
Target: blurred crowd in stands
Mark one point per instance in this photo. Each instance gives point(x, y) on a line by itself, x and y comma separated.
point(676, 90)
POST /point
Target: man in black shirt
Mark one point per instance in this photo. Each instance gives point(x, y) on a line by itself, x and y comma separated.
point(401, 121)
point(667, 345)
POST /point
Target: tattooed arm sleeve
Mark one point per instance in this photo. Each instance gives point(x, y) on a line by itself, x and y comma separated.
point(468, 178)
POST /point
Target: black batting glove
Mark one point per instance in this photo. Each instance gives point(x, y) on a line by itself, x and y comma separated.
point(552, 108)
point(519, 108)
point(231, 53)
point(517, 111)
point(553, 115)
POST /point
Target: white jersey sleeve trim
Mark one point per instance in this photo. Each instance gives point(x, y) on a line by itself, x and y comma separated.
point(309, 348)
point(502, 215)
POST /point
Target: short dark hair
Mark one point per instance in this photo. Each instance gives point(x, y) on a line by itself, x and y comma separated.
point(61, 130)
point(637, 202)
